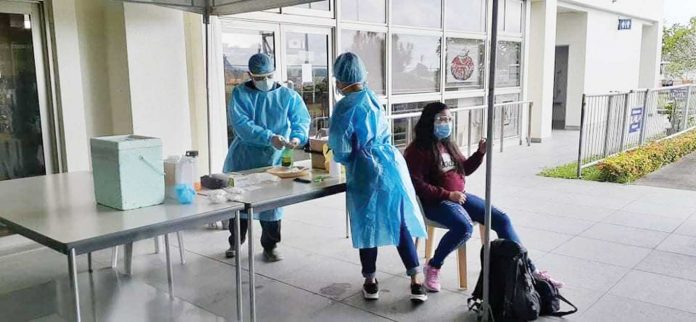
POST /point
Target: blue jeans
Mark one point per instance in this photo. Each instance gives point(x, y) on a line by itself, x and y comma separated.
point(407, 252)
point(459, 220)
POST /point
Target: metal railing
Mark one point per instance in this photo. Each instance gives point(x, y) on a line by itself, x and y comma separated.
point(618, 122)
point(470, 124)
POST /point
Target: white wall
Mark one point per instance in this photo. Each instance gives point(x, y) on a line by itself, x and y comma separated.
point(647, 9)
point(69, 84)
point(572, 32)
point(650, 56)
point(159, 90)
point(613, 56)
point(542, 39)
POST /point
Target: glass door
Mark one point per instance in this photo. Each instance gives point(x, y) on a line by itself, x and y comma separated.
point(25, 140)
point(307, 57)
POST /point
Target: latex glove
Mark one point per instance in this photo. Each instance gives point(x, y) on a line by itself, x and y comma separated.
point(278, 142)
point(293, 143)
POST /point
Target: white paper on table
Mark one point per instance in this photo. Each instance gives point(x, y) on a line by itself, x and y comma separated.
point(307, 73)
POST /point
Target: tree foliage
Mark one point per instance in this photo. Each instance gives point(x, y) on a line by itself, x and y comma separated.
point(679, 49)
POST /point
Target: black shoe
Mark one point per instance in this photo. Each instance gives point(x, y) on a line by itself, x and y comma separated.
point(230, 253)
point(371, 291)
point(418, 293)
point(271, 255)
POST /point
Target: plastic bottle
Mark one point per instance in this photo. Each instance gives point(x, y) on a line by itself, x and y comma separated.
point(286, 157)
point(193, 158)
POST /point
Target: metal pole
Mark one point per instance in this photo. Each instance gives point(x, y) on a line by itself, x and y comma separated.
point(502, 127)
point(347, 223)
point(520, 121)
point(606, 130)
point(238, 264)
point(642, 121)
point(170, 275)
point(114, 257)
point(468, 139)
point(252, 277)
point(89, 262)
point(128, 258)
point(529, 125)
point(72, 270)
point(180, 239)
point(582, 132)
point(623, 122)
point(686, 110)
point(206, 22)
point(486, 307)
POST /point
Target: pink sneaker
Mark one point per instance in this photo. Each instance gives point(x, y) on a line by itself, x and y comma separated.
point(544, 275)
point(432, 278)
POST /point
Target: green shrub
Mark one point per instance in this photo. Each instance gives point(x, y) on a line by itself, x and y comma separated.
point(628, 166)
point(570, 171)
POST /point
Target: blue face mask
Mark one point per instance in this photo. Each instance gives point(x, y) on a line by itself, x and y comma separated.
point(264, 85)
point(442, 130)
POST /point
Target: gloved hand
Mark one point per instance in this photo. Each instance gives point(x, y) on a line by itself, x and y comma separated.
point(278, 142)
point(293, 143)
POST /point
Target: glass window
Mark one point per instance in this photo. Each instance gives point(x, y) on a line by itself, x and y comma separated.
point(319, 5)
point(372, 49)
point(511, 115)
point(466, 15)
point(469, 119)
point(237, 46)
point(21, 138)
point(415, 63)
point(508, 62)
point(364, 10)
point(513, 16)
point(402, 129)
point(417, 13)
point(308, 69)
point(465, 63)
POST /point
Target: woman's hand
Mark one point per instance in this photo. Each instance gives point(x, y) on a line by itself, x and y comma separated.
point(482, 146)
point(458, 197)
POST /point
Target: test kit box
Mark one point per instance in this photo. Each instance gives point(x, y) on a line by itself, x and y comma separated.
point(316, 149)
point(128, 171)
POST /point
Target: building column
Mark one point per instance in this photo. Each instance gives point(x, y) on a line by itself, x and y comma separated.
point(650, 56)
point(542, 51)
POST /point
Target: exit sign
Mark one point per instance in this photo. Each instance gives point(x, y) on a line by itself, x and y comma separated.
point(624, 24)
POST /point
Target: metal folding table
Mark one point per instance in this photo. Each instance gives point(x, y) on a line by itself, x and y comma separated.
point(59, 211)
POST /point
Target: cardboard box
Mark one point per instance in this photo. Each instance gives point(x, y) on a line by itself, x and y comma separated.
point(316, 147)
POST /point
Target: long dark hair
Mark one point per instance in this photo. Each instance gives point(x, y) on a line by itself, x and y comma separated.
point(425, 138)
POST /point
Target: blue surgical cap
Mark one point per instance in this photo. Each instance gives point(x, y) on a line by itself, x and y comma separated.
point(349, 69)
point(261, 64)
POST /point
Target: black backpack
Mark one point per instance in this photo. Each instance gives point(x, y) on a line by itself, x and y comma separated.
point(550, 299)
point(512, 295)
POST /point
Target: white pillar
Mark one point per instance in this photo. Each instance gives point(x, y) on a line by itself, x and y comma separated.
point(650, 56)
point(542, 50)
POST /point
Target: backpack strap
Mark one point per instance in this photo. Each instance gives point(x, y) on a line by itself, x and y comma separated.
point(559, 314)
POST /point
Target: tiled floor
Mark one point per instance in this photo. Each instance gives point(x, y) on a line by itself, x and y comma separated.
point(626, 253)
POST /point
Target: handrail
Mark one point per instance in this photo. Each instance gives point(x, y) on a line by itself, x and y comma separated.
point(455, 110)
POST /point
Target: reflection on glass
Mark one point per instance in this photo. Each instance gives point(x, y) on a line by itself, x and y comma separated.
point(307, 66)
point(509, 57)
point(417, 13)
point(364, 10)
point(466, 15)
point(466, 120)
point(371, 47)
point(513, 16)
point(402, 129)
point(465, 63)
point(415, 63)
point(237, 46)
point(21, 140)
point(511, 115)
point(319, 5)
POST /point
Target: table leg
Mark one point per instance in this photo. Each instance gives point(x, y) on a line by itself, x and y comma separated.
point(89, 262)
point(170, 277)
point(180, 238)
point(114, 257)
point(252, 278)
point(238, 265)
point(128, 258)
point(347, 224)
point(157, 244)
point(72, 271)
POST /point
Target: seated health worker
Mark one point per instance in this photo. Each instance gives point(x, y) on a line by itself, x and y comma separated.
point(438, 170)
point(381, 201)
point(266, 117)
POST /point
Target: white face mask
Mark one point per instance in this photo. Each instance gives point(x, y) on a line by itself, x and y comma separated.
point(264, 85)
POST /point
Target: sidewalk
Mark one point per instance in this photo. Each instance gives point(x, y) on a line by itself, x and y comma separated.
point(678, 175)
point(626, 253)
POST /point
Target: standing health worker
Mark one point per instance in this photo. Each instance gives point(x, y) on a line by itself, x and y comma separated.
point(381, 199)
point(266, 117)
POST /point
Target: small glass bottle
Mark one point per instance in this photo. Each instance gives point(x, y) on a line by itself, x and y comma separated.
point(286, 157)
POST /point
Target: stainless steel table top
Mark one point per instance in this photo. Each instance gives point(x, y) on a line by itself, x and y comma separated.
point(59, 211)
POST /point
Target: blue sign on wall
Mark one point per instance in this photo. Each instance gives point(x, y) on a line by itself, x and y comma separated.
point(624, 24)
point(636, 119)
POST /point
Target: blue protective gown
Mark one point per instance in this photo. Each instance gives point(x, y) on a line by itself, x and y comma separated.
point(256, 116)
point(380, 192)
